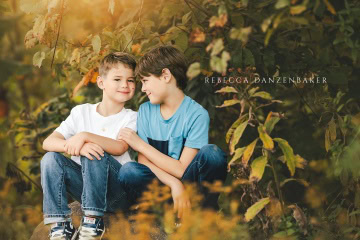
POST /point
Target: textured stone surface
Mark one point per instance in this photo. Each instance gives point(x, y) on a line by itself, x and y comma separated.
point(41, 232)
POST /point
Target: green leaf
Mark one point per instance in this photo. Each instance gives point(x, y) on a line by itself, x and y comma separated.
point(282, 3)
point(252, 211)
point(96, 44)
point(111, 6)
point(262, 94)
point(248, 56)
point(182, 41)
point(220, 64)
point(228, 103)
point(185, 19)
point(238, 154)
point(249, 152)
point(237, 135)
point(288, 153)
point(194, 70)
point(241, 34)
point(218, 47)
point(265, 138)
point(38, 58)
point(258, 168)
point(234, 126)
point(227, 89)
point(270, 122)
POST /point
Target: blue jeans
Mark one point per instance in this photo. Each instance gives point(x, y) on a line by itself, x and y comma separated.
point(95, 184)
point(208, 165)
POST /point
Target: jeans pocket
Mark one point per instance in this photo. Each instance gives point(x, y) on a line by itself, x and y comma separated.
point(176, 145)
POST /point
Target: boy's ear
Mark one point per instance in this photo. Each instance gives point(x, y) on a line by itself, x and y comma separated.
point(100, 82)
point(166, 75)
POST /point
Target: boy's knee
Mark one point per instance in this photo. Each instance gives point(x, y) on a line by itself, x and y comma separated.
point(103, 159)
point(214, 155)
point(49, 159)
point(130, 173)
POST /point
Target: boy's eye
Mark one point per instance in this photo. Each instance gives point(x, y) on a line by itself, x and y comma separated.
point(131, 80)
point(117, 79)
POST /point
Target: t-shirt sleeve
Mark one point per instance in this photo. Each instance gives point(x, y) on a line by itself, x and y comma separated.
point(68, 128)
point(140, 125)
point(198, 135)
point(132, 121)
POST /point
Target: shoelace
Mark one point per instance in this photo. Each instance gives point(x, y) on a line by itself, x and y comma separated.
point(88, 233)
point(58, 235)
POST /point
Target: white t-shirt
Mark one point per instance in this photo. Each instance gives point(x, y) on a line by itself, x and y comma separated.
point(85, 118)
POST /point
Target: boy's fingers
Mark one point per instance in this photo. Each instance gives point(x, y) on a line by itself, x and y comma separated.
point(95, 154)
point(98, 149)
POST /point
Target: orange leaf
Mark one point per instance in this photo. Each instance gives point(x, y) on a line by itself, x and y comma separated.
point(197, 36)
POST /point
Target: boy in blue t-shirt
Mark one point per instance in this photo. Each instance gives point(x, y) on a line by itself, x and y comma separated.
point(172, 138)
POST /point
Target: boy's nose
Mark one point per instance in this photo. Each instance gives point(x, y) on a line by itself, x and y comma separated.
point(143, 89)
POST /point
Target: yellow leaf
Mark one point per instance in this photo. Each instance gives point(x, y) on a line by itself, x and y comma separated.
point(300, 162)
point(327, 139)
point(332, 129)
point(237, 135)
point(238, 153)
point(228, 103)
point(273, 209)
point(302, 181)
point(297, 9)
point(252, 211)
point(233, 127)
point(258, 168)
point(330, 7)
point(248, 152)
point(265, 138)
point(227, 89)
point(356, 119)
point(262, 94)
point(288, 153)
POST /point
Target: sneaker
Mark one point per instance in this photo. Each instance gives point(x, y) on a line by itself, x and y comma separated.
point(62, 231)
point(91, 228)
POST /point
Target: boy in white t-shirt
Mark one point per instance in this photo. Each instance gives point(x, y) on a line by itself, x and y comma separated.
point(89, 136)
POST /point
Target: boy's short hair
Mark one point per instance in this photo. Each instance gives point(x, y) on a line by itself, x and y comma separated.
point(162, 57)
point(114, 58)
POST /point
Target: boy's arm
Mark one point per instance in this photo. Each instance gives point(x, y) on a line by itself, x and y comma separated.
point(55, 142)
point(162, 161)
point(180, 198)
point(109, 145)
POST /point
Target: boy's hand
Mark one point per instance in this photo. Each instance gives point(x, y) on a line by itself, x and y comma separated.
point(130, 137)
point(92, 149)
point(181, 199)
point(74, 144)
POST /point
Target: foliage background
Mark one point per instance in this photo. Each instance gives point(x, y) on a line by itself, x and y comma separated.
point(220, 38)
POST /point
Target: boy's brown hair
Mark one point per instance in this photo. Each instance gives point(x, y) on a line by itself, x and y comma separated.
point(112, 59)
point(162, 57)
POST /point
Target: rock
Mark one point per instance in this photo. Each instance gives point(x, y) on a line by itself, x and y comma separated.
point(41, 232)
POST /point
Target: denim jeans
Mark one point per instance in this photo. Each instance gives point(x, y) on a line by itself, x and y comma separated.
point(95, 184)
point(208, 165)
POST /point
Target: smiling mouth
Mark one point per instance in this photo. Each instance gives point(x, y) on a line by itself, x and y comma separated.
point(123, 92)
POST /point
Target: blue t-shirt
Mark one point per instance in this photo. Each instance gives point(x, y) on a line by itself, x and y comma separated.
point(189, 126)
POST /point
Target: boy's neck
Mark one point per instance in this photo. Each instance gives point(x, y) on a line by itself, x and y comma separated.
point(171, 103)
point(108, 108)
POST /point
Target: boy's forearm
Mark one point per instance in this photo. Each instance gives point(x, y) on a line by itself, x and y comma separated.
point(163, 176)
point(170, 165)
point(54, 143)
point(109, 145)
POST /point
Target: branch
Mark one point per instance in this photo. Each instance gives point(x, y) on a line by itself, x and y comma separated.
point(58, 33)
point(132, 37)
